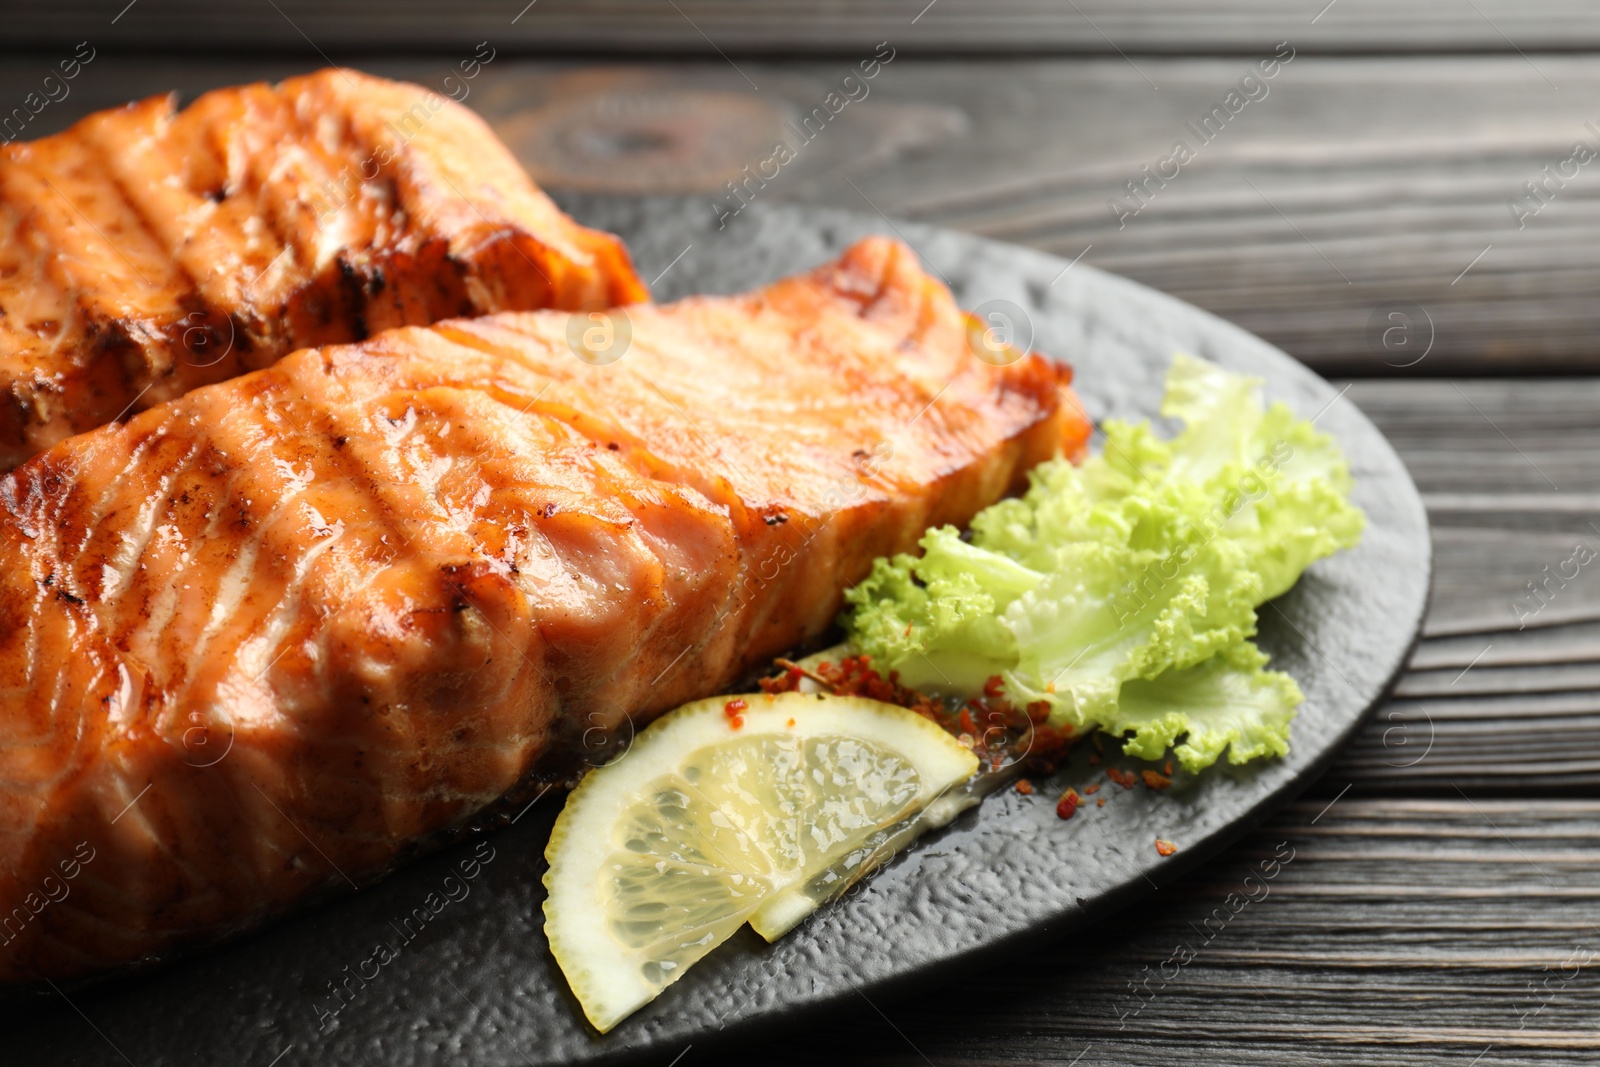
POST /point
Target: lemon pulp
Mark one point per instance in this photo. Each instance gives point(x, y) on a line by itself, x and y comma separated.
point(711, 820)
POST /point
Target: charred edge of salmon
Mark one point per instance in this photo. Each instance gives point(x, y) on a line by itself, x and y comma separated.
point(616, 264)
point(345, 302)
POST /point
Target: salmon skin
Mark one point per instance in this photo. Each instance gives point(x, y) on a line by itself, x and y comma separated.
point(258, 641)
point(147, 251)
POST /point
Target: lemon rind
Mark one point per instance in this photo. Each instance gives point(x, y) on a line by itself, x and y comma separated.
point(606, 977)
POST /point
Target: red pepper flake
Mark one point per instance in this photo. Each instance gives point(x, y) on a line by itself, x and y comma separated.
point(994, 686)
point(1025, 787)
point(988, 725)
point(732, 710)
point(1068, 805)
point(1092, 790)
point(1126, 780)
point(791, 724)
point(1167, 770)
point(1166, 848)
point(968, 724)
point(787, 682)
point(1100, 803)
point(1152, 780)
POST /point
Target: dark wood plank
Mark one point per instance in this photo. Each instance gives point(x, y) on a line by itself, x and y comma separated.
point(1475, 446)
point(1408, 932)
point(1527, 745)
point(1092, 26)
point(1509, 681)
point(1506, 470)
point(1482, 581)
point(1577, 643)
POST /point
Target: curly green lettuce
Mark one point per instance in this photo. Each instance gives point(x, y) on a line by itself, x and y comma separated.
point(1122, 591)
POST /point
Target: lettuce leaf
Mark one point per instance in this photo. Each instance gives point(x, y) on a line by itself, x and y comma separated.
point(936, 618)
point(1228, 702)
point(1122, 591)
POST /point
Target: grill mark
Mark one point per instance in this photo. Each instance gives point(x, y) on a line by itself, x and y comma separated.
point(179, 275)
point(156, 347)
point(272, 171)
point(86, 340)
point(66, 632)
point(383, 492)
point(402, 221)
point(229, 625)
point(480, 438)
point(29, 294)
point(260, 645)
point(108, 445)
point(372, 501)
point(158, 610)
point(232, 587)
point(277, 431)
point(280, 178)
point(637, 456)
point(124, 558)
point(343, 165)
point(278, 623)
point(439, 533)
point(636, 452)
point(419, 176)
point(259, 301)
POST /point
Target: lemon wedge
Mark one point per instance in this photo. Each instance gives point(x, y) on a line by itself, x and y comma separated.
point(713, 819)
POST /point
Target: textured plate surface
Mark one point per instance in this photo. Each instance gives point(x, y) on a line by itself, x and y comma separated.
point(471, 979)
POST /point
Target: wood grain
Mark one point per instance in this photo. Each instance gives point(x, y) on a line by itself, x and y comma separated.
point(1505, 468)
point(1575, 643)
point(1400, 932)
point(766, 26)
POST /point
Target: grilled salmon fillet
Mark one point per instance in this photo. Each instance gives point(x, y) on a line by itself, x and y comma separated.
point(257, 641)
point(147, 251)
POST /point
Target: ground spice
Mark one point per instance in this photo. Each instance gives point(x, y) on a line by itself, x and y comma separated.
point(1068, 805)
point(989, 725)
point(787, 682)
point(969, 725)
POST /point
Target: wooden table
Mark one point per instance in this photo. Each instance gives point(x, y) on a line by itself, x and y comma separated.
point(1443, 902)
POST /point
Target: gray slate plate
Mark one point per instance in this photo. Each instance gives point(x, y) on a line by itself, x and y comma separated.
point(477, 984)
